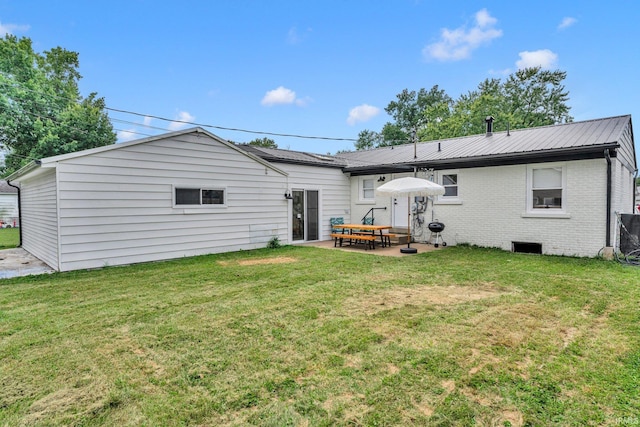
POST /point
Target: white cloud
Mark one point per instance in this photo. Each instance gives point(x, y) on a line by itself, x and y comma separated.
point(295, 37)
point(283, 96)
point(147, 121)
point(503, 72)
point(458, 44)
point(126, 135)
point(540, 58)
point(483, 19)
point(182, 116)
point(11, 28)
point(362, 113)
point(567, 22)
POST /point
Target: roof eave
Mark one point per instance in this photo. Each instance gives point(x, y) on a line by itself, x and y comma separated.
point(564, 154)
point(23, 171)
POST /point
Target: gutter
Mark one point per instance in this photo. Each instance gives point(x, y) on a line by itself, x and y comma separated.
point(608, 234)
point(19, 211)
point(635, 179)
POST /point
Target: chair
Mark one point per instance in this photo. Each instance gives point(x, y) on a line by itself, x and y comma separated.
point(335, 231)
point(367, 221)
point(336, 221)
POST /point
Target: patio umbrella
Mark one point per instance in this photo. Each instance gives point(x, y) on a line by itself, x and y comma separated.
point(410, 187)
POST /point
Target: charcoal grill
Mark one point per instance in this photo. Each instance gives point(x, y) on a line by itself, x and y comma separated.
point(436, 227)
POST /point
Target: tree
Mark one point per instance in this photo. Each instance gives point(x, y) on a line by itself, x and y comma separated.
point(529, 97)
point(413, 112)
point(264, 142)
point(368, 139)
point(41, 110)
point(536, 97)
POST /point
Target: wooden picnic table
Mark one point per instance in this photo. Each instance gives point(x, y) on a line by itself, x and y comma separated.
point(361, 233)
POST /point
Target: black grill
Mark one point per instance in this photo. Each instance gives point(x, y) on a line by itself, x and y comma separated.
point(436, 227)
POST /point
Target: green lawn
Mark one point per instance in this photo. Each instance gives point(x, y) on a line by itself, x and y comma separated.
point(9, 238)
point(304, 336)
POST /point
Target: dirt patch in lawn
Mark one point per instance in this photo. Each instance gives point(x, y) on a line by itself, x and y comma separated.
point(420, 295)
point(261, 261)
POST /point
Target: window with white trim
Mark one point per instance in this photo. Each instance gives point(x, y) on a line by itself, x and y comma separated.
point(450, 183)
point(367, 189)
point(546, 188)
point(199, 196)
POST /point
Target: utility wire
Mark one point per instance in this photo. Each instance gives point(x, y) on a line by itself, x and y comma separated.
point(205, 125)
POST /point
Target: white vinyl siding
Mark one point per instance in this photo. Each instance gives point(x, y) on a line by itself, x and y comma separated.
point(8, 207)
point(333, 188)
point(117, 206)
point(39, 217)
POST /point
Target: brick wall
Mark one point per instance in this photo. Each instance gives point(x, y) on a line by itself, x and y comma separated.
point(492, 210)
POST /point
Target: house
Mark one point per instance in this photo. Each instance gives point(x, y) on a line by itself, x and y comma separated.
point(551, 190)
point(8, 205)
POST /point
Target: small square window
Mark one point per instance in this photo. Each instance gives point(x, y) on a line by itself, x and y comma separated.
point(213, 197)
point(368, 191)
point(199, 196)
point(187, 196)
point(450, 184)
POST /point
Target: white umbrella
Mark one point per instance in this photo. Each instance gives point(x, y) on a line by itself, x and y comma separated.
point(410, 187)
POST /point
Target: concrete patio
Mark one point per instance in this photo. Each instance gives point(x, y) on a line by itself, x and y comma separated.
point(393, 250)
point(18, 262)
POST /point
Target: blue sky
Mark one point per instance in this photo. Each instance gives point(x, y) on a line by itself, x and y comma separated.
point(325, 68)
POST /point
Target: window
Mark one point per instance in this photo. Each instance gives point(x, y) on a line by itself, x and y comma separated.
point(450, 184)
point(546, 188)
point(546, 193)
point(199, 196)
point(367, 191)
point(449, 179)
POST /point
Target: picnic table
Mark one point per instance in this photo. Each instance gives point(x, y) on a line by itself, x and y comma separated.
point(361, 233)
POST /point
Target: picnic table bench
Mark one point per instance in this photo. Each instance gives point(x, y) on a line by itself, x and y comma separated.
point(361, 233)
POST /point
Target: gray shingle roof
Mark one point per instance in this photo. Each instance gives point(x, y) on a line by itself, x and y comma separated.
point(296, 157)
point(6, 188)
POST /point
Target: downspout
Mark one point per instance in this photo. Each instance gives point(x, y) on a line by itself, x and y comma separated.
point(19, 212)
point(633, 192)
point(608, 252)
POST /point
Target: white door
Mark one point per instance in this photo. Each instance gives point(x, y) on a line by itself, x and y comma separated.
point(400, 212)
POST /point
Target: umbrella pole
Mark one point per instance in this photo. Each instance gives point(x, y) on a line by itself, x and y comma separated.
point(408, 249)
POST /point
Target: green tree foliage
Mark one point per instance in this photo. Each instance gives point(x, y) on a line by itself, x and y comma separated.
point(527, 98)
point(264, 142)
point(368, 139)
point(412, 111)
point(41, 111)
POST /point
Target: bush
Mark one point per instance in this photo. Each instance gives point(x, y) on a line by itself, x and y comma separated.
point(274, 243)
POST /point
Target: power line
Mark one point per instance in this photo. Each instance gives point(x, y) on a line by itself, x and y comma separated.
point(230, 129)
point(204, 125)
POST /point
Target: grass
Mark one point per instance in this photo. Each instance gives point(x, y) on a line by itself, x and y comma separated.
point(299, 336)
point(9, 238)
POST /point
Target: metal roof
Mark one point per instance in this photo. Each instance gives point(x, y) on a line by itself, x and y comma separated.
point(568, 139)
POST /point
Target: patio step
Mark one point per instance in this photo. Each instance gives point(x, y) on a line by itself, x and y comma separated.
point(401, 236)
